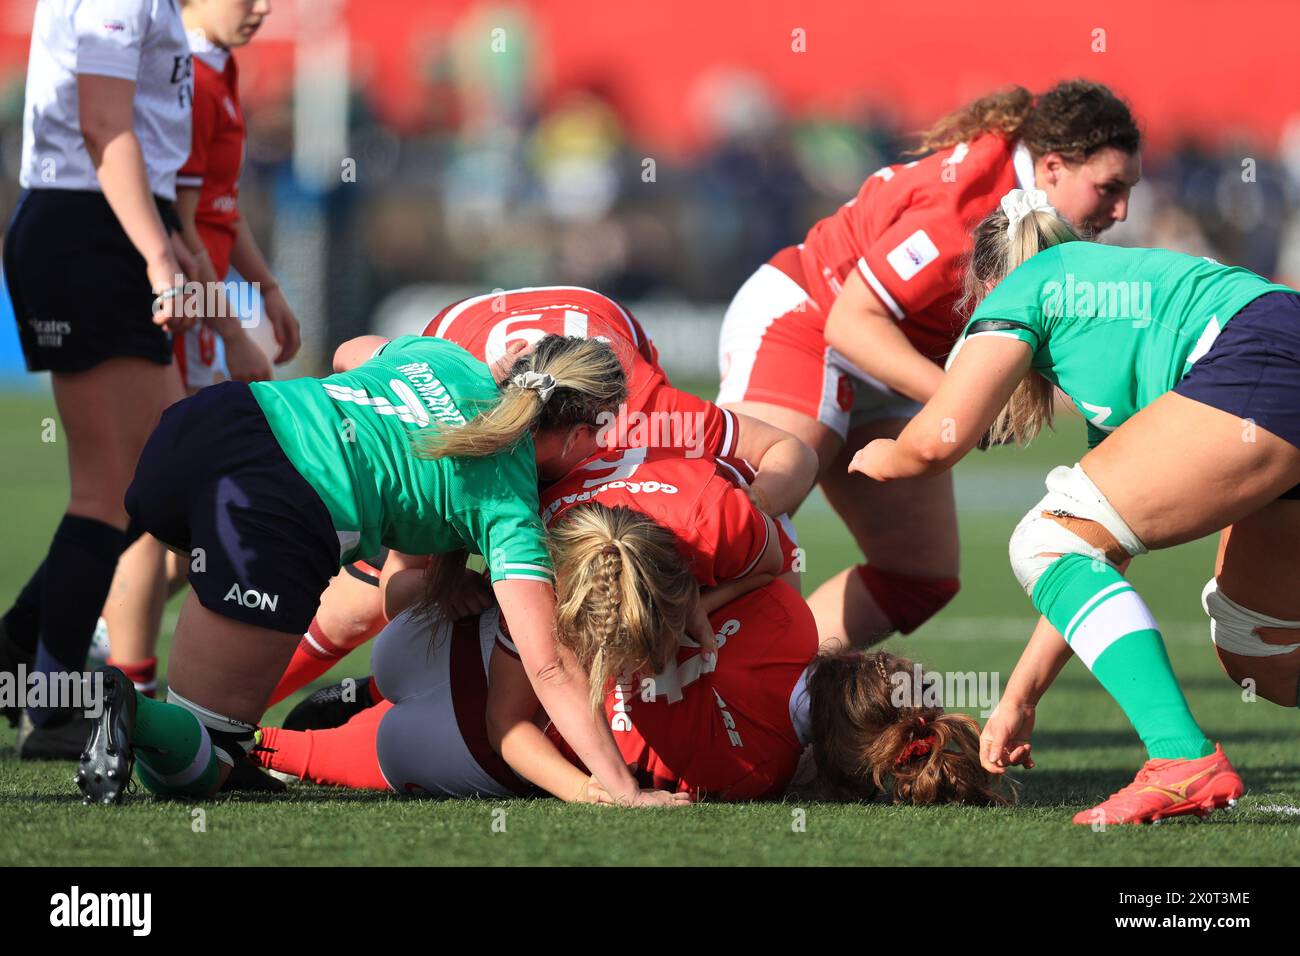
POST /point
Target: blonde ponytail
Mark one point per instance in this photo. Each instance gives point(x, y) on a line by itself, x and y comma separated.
point(997, 252)
point(622, 592)
point(572, 382)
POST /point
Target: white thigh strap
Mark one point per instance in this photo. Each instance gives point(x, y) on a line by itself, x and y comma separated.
point(1233, 627)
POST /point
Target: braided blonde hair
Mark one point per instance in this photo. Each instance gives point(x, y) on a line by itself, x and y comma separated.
point(623, 591)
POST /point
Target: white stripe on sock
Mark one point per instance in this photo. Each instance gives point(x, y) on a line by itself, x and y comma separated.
point(1113, 619)
point(1089, 604)
point(330, 651)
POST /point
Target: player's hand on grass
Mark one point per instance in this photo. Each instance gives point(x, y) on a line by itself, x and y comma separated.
point(1004, 742)
point(874, 459)
point(245, 361)
point(593, 791)
point(283, 323)
point(660, 798)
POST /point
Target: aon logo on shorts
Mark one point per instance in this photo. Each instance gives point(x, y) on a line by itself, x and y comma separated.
point(252, 598)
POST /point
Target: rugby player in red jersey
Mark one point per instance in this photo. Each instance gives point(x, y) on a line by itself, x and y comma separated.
point(497, 324)
point(840, 339)
point(634, 533)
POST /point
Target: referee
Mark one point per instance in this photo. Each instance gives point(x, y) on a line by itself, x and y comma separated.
point(95, 280)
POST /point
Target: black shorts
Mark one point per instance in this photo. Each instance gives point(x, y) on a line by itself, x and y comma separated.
point(80, 290)
point(214, 483)
point(1252, 370)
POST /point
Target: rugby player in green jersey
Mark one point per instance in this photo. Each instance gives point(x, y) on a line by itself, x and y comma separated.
point(270, 488)
point(1190, 372)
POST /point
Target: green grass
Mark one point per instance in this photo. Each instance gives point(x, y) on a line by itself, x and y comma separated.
point(1083, 745)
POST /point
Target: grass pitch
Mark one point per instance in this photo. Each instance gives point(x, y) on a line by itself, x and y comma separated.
point(1083, 746)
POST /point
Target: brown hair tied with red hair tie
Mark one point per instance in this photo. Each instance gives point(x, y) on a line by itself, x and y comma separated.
point(918, 747)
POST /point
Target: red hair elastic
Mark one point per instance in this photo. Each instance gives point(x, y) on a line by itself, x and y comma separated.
point(916, 748)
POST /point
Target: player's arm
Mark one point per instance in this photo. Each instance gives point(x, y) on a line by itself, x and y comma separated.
point(523, 745)
point(187, 204)
point(402, 581)
point(753, 551)
point(244, 360)
point(713, 598)
point(561, 686)
point(976, 388)
point(785, 468)
point(861, 329)
point(1004, 741)
point(106, 109)
point(247, 259)
point(357, 351)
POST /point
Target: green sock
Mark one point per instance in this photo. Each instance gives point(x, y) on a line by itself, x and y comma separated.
point(174, 755)
point(1110, 629)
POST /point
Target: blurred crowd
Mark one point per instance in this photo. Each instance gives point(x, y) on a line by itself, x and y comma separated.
point(491, 189)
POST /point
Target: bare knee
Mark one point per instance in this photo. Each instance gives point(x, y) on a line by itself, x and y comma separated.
point(350, 613)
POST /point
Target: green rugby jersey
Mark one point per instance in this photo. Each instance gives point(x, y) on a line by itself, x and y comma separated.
point(349, 435)
point(1115, 328)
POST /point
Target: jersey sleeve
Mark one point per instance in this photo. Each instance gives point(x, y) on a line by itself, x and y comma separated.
point(495, 512)
point(204, 124)
point(709, 429)
point(739, 531)
point(912, 263)
point(109, 37)
point(1026, 303)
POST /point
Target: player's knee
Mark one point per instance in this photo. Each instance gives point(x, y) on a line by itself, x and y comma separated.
point(906, 600)
point(349, 619)
point(1074, 517)
point(231, 739)
point(1258, 652)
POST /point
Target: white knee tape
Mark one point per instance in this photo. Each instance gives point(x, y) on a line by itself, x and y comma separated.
point(1037, 540)
point(1233, 627)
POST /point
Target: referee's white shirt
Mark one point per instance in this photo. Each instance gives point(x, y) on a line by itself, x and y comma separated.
point(138, 40)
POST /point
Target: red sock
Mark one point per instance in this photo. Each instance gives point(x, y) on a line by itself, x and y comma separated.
point(315, 655)
point(341, 756)
point(143, 674)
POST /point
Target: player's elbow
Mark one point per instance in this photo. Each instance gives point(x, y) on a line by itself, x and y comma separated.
point(934, 453)
point(553, 671)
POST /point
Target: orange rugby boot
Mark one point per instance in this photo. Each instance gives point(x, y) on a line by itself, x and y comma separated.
point(1171, 788)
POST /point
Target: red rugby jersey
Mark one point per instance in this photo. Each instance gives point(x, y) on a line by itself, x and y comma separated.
point(216, 150)
point(908, 231)
point(701, 500)
point(484, 325)
point(728, 733)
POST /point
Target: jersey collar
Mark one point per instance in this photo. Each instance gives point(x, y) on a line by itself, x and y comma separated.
point(207, 51)
point(1023, 164)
